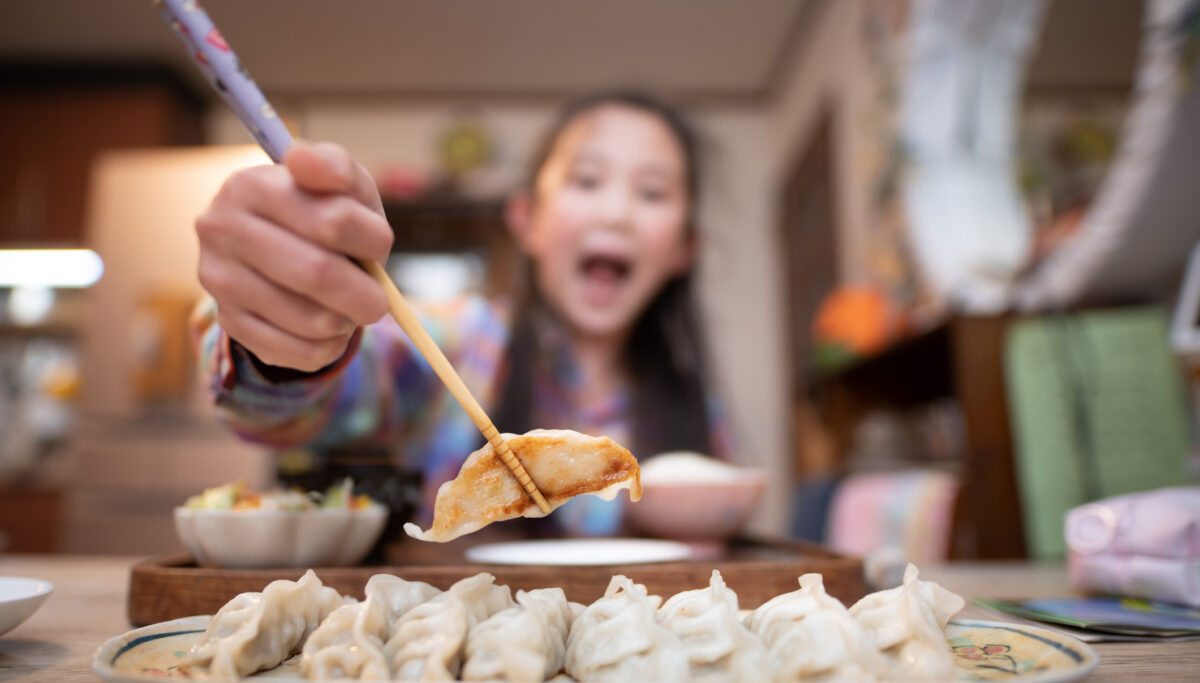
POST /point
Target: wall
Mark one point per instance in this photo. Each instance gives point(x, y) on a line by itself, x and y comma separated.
point(830, 72)
point(136, 457)
point(141, 207)
point(827, 74)
point(741, 289)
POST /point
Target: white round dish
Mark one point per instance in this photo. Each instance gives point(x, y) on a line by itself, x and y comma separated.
point(1001, 650)
point(259, 539)
point(693, 498)
point(983, 650)
point(20, 598)
point(579, 552)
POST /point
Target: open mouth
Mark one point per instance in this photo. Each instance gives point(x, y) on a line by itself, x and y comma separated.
point(604, 278)
point(605, 268)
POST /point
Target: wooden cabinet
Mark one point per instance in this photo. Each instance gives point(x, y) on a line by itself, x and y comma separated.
point(961, 360)
point(31, 520)
point(54, 120)
point(458, 225)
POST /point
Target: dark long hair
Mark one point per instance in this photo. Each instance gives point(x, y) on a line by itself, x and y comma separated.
point(664, 355)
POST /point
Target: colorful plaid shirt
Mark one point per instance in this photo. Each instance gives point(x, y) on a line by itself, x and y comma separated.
point(383, 394)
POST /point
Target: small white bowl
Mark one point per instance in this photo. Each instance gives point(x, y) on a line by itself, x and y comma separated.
point(695, 499)
point(261, 539)
point(20, 598)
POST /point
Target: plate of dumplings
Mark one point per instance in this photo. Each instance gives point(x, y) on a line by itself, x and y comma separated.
point(478, 630)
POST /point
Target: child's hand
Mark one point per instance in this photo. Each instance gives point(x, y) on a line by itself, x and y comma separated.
point(273, 248)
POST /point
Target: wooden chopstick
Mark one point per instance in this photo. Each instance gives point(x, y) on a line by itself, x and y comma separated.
point(216, 60)
point(403, 313)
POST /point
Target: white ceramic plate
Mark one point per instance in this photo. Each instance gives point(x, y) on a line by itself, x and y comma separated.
point(152, 653)
point(1003, 650)
point(984, 650)
point(580, 552)
point(19, 598)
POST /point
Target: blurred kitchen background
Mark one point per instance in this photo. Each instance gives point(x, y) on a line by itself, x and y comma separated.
point(944, 241)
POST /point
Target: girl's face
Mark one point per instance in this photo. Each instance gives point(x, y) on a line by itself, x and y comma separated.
point(607, 227)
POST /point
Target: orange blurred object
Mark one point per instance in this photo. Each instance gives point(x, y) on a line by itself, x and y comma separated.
point(61, 382)
point(248, 501)
point(858, 318)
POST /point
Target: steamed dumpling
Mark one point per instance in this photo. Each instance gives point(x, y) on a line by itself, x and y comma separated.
point(348, 645)
point(810, 634)
point(398, 596)
point(522, 643)
point(427, 642)
point(718, 647)
point(561, 462)
point(257, 631)
point(618, 638)
point(907, 624)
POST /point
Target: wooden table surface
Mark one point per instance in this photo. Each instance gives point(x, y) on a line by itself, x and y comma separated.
point(88, 607)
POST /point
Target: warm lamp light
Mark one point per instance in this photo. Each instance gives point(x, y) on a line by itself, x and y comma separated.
point(49, 267)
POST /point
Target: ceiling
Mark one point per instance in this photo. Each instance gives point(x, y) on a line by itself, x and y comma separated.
point(735, 50)
point(709, 47)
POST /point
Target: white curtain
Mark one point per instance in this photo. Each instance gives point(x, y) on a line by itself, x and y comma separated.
point(969, 228)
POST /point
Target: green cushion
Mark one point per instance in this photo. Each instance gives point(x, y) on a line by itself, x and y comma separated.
point(1098, 409)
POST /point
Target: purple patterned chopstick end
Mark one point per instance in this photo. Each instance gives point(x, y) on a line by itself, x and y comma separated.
point(212, 55)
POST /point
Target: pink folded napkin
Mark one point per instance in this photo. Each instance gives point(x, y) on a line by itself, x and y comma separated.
point(1144, 545)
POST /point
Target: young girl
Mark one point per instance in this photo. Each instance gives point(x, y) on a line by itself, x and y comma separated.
point(605, 340)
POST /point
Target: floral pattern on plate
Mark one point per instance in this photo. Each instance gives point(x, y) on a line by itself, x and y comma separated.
point(993, 650)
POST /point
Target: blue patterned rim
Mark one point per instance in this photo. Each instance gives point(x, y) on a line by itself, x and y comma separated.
point(145, 639)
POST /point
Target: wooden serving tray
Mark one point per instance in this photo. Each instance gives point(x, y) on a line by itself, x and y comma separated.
point(171, 587)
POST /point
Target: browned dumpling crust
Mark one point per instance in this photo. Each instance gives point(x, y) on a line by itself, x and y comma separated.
point(562, 463)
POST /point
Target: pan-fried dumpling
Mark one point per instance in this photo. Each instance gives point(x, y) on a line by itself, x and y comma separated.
point(717, 645)
point(522, 643)
point(561, 462)
point(618, 638)
point(427, 642)
point(907, 624)
point(256, 631)
point(348, 645)
point(810, 634)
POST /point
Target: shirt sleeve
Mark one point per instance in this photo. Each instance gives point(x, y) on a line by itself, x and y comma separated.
point(377, 392)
